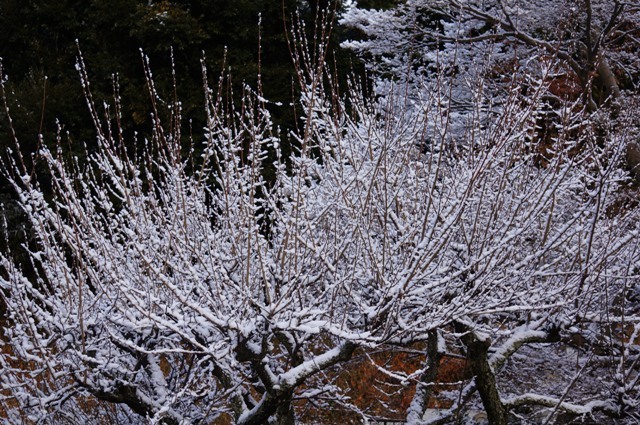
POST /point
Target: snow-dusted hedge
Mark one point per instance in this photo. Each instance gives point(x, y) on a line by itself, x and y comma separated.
point(179, 287)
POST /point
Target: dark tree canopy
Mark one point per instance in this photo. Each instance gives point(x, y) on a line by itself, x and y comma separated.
point(41, 38)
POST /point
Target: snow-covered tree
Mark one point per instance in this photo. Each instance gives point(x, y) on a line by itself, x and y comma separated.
point(178, 286)
point(594, 41)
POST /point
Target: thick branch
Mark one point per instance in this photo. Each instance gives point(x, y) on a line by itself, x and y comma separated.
point(519, 339)
point(277, 398)
point(576, 409)
point(299, 374)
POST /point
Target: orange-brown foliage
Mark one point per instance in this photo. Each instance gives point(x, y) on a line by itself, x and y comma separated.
point(566, 86)
point(372, 382)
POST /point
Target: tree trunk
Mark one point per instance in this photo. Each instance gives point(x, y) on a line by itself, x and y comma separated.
point(608, 81)
point(477, 354)
point(632, 157)
point(285, 414)
point(424, 389)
